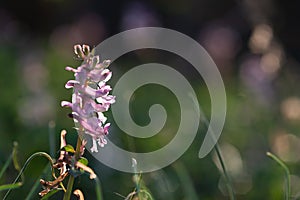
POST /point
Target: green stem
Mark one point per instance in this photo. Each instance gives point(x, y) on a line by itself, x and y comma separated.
point(36, 185)
point(98, 189)
point(67, 194)
point(287, 174)
point(220, 157)
point(6, 165)
point(26, 164)
point(227, 179)
point(185, 180)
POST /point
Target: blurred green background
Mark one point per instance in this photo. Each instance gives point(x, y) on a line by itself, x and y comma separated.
point(255, 44)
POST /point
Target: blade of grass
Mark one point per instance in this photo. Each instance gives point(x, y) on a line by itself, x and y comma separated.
point(185, 179)
point(98, 189)
point(51, 193)
point(6, 164)
point(51, 131)
point(36, 184)
point(220, 158)
point(38, 154)
point(14, 159)
point(227, 178)
point(287, 174)
point(10, 186)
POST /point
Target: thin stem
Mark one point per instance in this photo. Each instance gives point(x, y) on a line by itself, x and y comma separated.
point(185, 180)
point(227, 179)
point(98, 189)
point(68, 193)
point(35, 186)
point(51, 132)
point(26, 164)
point(6, 165)
point(220, 157)
point(287, 174)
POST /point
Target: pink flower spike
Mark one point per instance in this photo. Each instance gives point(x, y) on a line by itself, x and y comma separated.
point(90, 96)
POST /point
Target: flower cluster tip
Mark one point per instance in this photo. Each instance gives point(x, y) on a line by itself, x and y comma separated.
point(90, 96)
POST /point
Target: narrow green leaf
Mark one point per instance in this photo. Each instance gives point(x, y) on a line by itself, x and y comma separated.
point(98, 189)
point(15, 157)
point(68, 148)
point(10, 186)
point(287, 174)
point(220, 158)
point(43, 154)
point(36, 184)
point(8, 161)
point(51, 193)
point(186, 181)
point(51, 132)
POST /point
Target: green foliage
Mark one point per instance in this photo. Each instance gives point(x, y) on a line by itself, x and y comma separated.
point(68, 148)
point(51, 193)
point(287, 174)
point(83, 160)
point(14, 159)
point(15, 183)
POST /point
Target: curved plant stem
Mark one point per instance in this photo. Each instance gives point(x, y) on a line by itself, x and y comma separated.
point(220, 157)
point(98, 189)
point(68, 193)
point(35, 185)
point(43, 154)
point(227, 178)
point(287, 174)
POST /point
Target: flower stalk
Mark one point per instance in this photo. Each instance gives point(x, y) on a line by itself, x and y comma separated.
point(89, 100)
point(71, 180)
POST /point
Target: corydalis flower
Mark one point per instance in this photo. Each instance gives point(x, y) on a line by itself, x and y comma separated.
point(91, 95)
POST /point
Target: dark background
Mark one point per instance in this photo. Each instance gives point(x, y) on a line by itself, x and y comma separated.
point(255, 44)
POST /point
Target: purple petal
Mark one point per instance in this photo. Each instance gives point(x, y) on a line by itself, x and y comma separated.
point(96, 93)
point(94, 147)
point(98, 75)
point(106, 74)
point(71, 84)
point(102, 141)
point(95, 107)
point(81, 75)
point(70, 69)
point(109, 99)
point(105, 128)
point(90, 91)
point(66, 104)
point(101, 117)
point(91, 124)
